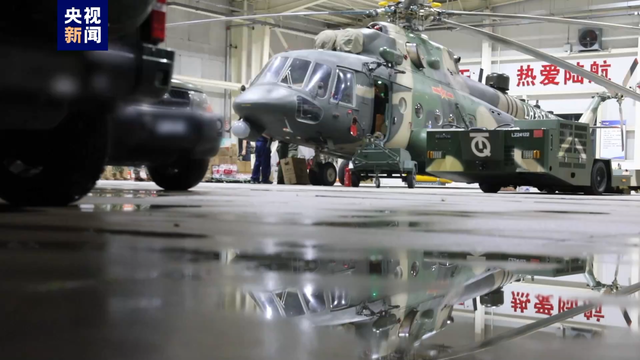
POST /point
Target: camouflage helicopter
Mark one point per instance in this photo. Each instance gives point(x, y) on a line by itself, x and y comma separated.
point(392, 302)
point(384, 86)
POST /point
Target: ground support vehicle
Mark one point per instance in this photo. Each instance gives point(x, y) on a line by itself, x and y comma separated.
point(56, 105)
point(551, 155)
point(174, 137)
point(373, 160)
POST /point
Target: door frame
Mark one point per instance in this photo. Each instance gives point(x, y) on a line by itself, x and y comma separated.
point(387, 110)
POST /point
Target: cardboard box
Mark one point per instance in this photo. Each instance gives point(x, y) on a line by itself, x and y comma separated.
point(244, 167)
point(229, 160)
point(294, 171)
point(233, 151)
point(224, 151)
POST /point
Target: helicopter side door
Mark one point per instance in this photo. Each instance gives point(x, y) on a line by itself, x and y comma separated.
point(398, 119)
point(345, 101)
point(379, 118)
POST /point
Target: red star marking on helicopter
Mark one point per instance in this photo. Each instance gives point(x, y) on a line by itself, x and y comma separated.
point(442, 92)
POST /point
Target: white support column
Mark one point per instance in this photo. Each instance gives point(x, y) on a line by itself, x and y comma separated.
point(486, 52)
point(266, 46)
point(257, 37)
point(236, 69)
point(599, 115)
point(245, 50)
point(479, 321)
point(636, 151)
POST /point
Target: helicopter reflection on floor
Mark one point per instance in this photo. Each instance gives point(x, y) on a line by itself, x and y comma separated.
point(404, 298)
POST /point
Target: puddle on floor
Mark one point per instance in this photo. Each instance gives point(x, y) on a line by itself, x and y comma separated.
point(131, 207)
point(134, 291)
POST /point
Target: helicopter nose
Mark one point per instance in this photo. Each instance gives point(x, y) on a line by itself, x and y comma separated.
point(262, 104)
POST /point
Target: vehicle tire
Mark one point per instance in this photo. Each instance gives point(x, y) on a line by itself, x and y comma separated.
point(180, 175)
point(355, 179)
point(411, 180)
point(55, 167)
point(376, 182)
point(599, 179)
point(329, 174)
point(490, 188)
point(342, 170)
point(314, 177)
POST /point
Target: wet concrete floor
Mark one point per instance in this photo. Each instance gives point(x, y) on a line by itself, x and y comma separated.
point(134, 272)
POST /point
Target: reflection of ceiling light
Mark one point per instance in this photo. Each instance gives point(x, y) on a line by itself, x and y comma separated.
point(269, 313)
point(86, 207)
point(308, 290)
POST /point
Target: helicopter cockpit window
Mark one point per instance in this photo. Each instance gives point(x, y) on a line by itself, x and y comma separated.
point(268, 304)
point(344, 89)
point(272, 72)
point(339, 299)
point(291, 303)
point(296, 73)
point(321, 74)
point(264, 68)
point(314, 298)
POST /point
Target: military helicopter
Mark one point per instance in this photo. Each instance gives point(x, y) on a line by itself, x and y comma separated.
point(385, 84)
point(393, 321)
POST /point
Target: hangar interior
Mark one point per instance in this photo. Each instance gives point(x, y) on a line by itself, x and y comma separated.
point(222, 56)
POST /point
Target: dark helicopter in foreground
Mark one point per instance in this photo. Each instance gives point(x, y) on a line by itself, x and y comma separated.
point(392, 302)
point(386, 82)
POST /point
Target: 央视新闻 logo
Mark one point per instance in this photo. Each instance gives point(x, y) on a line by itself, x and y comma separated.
point(83, 25)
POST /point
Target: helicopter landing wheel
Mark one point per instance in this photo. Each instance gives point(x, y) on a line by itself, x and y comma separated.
point(328, 174)
point(376, 181)
point(314, 177)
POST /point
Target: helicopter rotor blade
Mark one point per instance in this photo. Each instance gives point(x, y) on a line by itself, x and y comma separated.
point(613, 88)
point(367, 13)
point(558, 20)
point(629, 75)
point(532, 327)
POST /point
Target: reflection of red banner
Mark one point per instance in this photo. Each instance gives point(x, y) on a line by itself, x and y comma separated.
point(532, 303)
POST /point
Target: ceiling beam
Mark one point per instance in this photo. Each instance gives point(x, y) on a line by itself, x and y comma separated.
point(296, 6)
